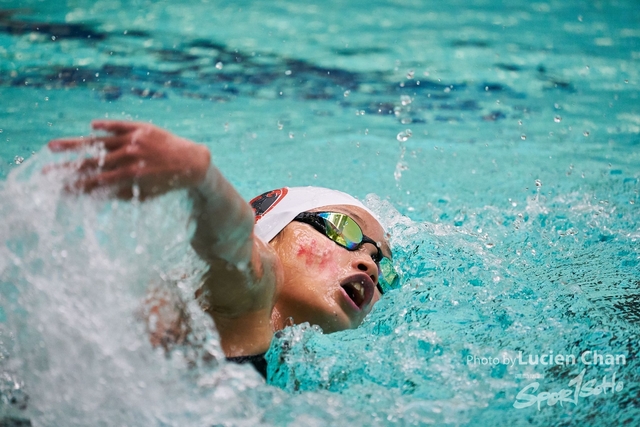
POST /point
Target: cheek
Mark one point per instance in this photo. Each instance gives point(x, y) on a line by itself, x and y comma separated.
point(310, 252)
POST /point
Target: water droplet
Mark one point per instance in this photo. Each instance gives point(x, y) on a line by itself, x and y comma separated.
point(219, 65)
point(18, 160)
point(586, 133)
point(523, 137)
point(347, 93)
point(280, 125)
point(403, 136)
point(291, 135)
point(410, 74)
point(287, 73)
point(557, 119)
point(538, 183)
point(405, 100)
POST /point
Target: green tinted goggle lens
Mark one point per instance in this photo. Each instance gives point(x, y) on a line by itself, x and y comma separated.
point(388, 278)
point(344, 231)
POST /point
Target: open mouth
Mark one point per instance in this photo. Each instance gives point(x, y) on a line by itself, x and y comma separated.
point(356, 291)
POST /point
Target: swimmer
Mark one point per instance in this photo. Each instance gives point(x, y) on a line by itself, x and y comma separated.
point(292, 255)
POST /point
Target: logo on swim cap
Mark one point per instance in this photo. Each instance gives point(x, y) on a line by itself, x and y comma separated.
point(266, 201)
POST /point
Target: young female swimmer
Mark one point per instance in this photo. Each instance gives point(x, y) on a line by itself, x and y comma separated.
point(303, 254)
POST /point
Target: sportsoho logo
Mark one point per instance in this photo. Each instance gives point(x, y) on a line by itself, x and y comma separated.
point(577, 388)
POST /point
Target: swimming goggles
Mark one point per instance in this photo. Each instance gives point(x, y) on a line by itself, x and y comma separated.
point(346, 232)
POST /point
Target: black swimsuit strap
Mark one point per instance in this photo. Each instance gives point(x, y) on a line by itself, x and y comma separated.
point(257, 360)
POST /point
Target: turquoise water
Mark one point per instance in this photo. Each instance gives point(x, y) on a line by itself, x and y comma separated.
point(498, 142)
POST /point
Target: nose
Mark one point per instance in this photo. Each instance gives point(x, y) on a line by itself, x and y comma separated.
point(363, 262)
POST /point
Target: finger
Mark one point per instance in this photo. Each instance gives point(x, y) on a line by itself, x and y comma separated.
point(109, 142)
point(59, 166)
point(125, 193)
point(118, 177)
point(115, 126)
point(107, 162)
point(65, 144)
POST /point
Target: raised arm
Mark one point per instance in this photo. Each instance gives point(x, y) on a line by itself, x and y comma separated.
point(240, 285)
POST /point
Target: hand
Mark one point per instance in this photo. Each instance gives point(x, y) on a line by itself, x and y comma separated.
point(137, 154)
point(165, 317)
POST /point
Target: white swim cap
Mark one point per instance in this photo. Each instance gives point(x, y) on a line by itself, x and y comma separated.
point(276, 208)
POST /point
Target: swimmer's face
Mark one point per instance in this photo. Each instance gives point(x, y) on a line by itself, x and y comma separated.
point(324, 283)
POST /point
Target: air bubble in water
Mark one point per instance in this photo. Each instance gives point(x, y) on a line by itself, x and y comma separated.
point(219, 65)
point(538, 183)
point(489, 245)
point(405, 100)
point(586, 133)
point(287, 73)
point(291, 135)
point(523, 137)
point(410, 74)
point(280, 125)
point(347, 93)
point(557, 119)
point(18, 160)
point(403, 136)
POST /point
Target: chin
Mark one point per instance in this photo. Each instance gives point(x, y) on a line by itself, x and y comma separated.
point(341, 323)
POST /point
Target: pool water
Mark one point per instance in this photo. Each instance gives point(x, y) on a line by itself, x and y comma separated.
point(498, 141)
